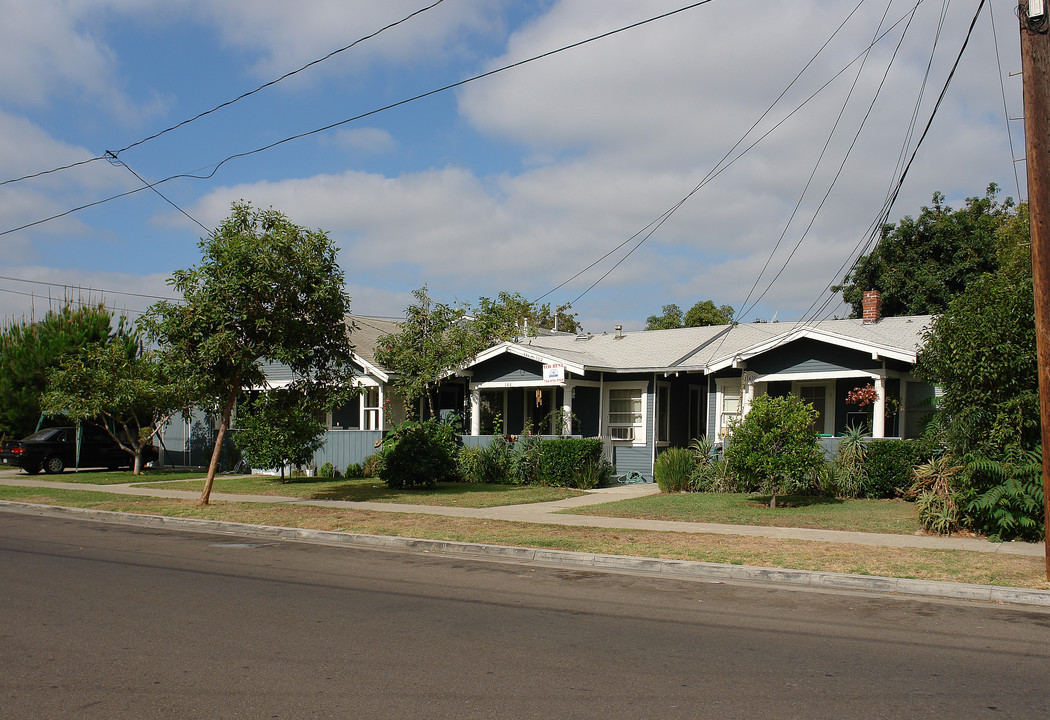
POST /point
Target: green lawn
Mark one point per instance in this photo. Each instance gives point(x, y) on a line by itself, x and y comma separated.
point(119, 477)
point(881, 516)
point(373, 490)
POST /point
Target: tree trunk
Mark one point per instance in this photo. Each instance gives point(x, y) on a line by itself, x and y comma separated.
point(213, 466)
point(136, 468)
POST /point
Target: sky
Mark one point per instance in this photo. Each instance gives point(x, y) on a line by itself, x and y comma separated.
point(737, 152)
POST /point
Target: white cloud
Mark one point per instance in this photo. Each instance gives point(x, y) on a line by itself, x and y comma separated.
point(368, 140)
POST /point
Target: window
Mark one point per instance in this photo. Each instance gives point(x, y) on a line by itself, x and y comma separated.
point(370, 408)
point(729, 404)
point(663, 413)
point(626, 416)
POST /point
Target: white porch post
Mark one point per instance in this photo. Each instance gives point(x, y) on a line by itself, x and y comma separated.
point(566, 409)
point(381, 415)
point(878, 420)
point(475, 410)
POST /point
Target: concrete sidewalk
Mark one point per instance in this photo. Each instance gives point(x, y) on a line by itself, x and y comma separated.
point(551, 513)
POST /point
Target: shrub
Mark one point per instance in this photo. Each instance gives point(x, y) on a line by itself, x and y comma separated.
point(467, 464)
point(525, 460)
point(565, 462)
point(775, 445)
point(593, 473)
point(418, 454)
point(888, 467)
point(354, 470)
point(1006, 498)
point(326, 471)
point(673, 470)
point(850, 465)
point(370, 467)
point(494, 462)
point(935, 490)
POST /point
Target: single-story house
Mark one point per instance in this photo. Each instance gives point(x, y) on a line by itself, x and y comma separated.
point(648, 390)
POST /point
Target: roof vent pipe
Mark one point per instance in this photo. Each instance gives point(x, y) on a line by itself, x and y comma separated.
point(619, 331)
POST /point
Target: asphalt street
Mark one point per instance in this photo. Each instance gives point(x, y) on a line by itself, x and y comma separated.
point(112, 621)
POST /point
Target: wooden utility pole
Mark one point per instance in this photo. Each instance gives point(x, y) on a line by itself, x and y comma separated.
point(1035, 66)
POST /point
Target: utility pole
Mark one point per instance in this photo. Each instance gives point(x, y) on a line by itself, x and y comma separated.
point(1035, 67)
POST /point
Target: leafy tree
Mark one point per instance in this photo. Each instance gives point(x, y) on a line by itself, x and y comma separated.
point(277, 428)
point(265, 290)
point(29, 350)
point(981, 352)
point(705, 313)
point(774, 443)
point(433, 340)
point(511, 314)
point(671, 319)
point(920, 264)
point(115, 387)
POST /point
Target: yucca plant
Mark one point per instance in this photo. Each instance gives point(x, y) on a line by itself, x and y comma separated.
point(673, 469)
point(936, 494)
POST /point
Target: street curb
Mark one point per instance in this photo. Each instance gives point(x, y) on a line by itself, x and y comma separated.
point(672, 569)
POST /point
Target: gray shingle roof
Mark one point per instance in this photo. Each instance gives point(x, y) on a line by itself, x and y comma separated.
point(705, 346)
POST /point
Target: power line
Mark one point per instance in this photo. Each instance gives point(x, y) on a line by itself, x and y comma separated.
point(719, 168)
point(1006, 112)
point(89, 289)
point(113, 154)
point(299, 136)
point(113, 160)
point(887, 207)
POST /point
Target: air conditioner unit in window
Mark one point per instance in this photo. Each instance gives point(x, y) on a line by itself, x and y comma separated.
point(622, 433)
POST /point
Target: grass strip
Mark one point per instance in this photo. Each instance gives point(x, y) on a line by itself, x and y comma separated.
point(371, 490)
point(944, 565)
point(876, 516)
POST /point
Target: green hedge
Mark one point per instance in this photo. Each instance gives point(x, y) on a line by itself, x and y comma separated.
point(887, 467)
point(572, 462)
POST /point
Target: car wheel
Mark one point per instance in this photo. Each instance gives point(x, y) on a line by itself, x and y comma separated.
point(54, 465)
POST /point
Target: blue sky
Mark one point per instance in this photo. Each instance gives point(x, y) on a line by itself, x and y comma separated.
point(515, 182)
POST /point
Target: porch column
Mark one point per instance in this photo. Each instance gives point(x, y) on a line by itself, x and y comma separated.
point(878, 420)
point(566, 410)
point(475, 410)
point(381, 415)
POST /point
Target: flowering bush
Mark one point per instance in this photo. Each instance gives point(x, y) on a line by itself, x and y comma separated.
point(862, 396)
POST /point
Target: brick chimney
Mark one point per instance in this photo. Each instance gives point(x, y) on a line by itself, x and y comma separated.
point(872, 306)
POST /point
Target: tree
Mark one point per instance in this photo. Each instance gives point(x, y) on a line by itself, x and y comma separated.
point(981, 352)
point(705, 313)
point(774, 443)
point(671, 319)
point(29, 350)
point(432, 341)
point(115, 387)
point(511, 314)
point(920, 264)
point(265, 291)
point(277, 428)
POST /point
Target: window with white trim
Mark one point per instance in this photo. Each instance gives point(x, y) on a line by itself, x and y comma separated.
point(729, 404)
point(627, 414)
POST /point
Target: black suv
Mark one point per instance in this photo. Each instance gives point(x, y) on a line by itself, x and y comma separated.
point(54, 449)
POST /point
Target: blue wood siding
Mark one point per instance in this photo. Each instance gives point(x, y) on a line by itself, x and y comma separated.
point(508, 368)
point(638, 459)
point(811, 356)
point(342, 447)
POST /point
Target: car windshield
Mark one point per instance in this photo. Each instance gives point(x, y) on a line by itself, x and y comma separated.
point(46, 434)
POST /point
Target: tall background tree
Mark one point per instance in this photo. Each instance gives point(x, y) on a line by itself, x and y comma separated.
point(436, 338)
point(702, 314)
point(921, 264)
point(29, 350)
point(266, 290)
